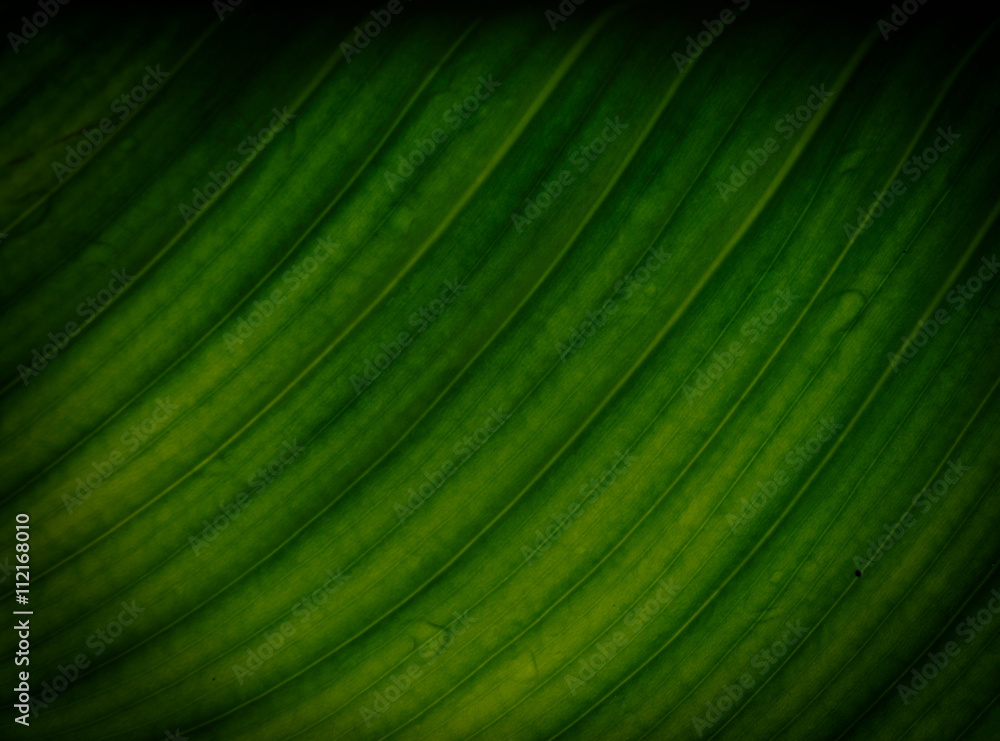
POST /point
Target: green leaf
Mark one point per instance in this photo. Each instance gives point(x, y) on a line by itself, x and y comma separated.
point(577, 372)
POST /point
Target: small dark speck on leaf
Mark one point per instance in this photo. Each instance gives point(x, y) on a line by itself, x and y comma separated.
point(857, 573)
